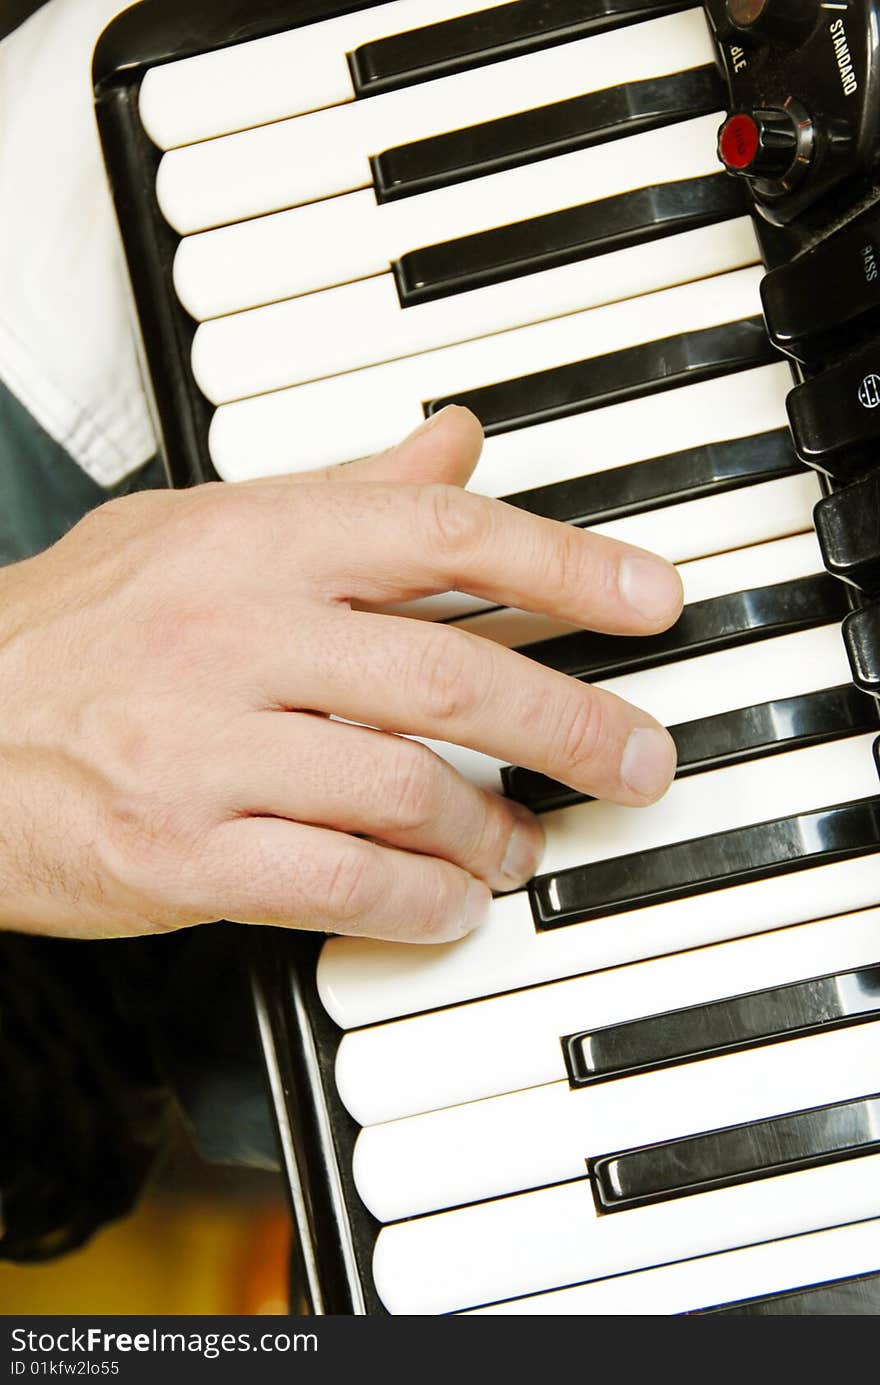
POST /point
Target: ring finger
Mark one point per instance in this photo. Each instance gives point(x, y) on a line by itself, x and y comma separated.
point(334, 774)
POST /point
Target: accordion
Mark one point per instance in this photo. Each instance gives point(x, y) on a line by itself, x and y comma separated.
point(641, 240)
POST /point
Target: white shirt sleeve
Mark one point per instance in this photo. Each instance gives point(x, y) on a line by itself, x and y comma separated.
point(67, 344)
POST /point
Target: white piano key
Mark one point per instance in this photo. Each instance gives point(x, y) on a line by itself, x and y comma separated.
point(541, 1136)
point(553, 1237)
point(758, 1271)
point(363, 982)
point(716, 523)
point(512, 1042)
point(733, 406)
point(761, 566)
point(350, 237)
point(367, 410)
point(299, 160)
point(265, 79)
point(340, 329)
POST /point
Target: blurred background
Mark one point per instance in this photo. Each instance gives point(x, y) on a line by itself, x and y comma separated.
point(202, 1239)
point(138, 1163)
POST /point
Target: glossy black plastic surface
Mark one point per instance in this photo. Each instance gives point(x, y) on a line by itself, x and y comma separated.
point(835, 416)
point(783, 22)
point(848, 528)
point(826, 72)
point(545, 131)
point(858, 1297)
point(706, 863)
point(824, 302)
point(660, 481)
point(728, 739)
point(703, 626)
point(722, 1158)
point(722, 1026)
point(438, 50)
point(622, 375)
point(861, 636)
point(578, 233)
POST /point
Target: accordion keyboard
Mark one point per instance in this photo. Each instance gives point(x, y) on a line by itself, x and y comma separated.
point(648, 1084)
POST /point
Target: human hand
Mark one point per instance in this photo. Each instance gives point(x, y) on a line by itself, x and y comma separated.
point(169, 669)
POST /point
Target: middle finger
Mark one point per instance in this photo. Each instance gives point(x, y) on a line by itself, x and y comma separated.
point(434, 681)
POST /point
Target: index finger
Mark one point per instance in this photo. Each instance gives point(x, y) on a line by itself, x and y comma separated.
point(417, 541)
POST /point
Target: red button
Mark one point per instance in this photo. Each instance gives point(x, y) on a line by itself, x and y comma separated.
point(738, 142)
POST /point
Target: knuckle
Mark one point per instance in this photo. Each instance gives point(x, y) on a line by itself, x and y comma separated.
point(492, 835)
point(211, 517)
point(564, 567)
point(576, 565)
point(581, 731)
point(454, 522)
point(414, 790)
point(441, 903)
point(447, 675)
point(348, 889)
point(190, 633)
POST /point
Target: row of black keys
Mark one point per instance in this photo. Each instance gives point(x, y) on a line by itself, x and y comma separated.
point(579, 232)
point(831, 429)
point(748, 853)
point(719, 623)
point(756, 1149)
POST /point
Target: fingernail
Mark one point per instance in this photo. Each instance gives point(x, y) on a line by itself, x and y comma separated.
point(648, 762)
point(652, 587)
point(524, 851)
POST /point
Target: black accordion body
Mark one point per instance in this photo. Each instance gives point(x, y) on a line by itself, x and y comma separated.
point(641, 240)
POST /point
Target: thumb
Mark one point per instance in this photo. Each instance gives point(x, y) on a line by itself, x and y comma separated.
point(446, 447)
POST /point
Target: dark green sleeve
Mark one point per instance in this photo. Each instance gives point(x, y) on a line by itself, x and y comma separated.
point(42, 492)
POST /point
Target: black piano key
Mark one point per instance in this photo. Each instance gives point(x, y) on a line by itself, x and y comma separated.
point(737, 1154)
point(788, 723)
point(857, 1297)
point(861, 638)
point(723, 1026)
point(560, 128)
point(834, 415)
point(848, 533)
point(472, 40)
point(730, 738)
point(633, 373)
point(659, 481)
point(707, 863)
point(821, 304)
point(559, 238)
point(720, 622)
